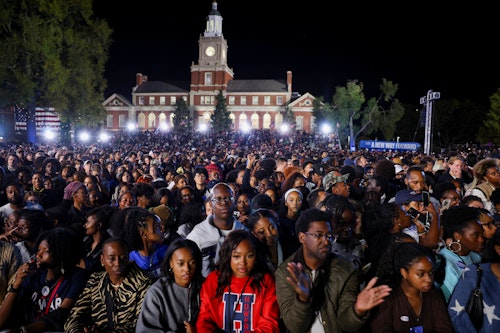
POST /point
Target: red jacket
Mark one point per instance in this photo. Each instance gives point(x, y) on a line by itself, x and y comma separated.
point(256, 311)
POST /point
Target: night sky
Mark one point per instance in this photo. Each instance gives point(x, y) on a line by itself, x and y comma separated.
point(452, 50)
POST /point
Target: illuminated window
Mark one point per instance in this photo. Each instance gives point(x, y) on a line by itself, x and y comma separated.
point(141, 120)
point(121, 121)
point(266, 124)
point(109, 121)
point(151, 120)
point(208, 78)
point(299, 123)
point(255, 121)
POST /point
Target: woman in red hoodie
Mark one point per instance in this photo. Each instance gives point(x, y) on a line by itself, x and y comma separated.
point(240, 295)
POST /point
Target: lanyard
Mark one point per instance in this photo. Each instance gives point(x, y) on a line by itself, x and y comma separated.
point(52, 295)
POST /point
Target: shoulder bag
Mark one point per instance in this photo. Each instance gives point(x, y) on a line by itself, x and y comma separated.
point(474, 306)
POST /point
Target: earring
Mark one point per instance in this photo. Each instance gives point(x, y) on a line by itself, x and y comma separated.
point(453, 246)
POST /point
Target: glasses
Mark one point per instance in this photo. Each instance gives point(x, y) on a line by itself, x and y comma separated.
point(23, 229)
point(225, 200)
point(184, 196)
point(319, 236)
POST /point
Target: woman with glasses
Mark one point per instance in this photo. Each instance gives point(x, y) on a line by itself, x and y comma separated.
point(343, 224)
point(10, 226)
point(31, 223)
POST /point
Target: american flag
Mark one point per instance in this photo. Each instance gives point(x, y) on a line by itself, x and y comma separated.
point(45, 119)
point(21, 119)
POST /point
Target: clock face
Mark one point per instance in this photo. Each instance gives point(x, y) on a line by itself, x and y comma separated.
point(210, 51)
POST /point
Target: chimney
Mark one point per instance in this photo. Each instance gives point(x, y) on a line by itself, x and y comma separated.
point(140, 79)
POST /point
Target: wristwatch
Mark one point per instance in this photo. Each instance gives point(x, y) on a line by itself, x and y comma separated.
point(11, 289)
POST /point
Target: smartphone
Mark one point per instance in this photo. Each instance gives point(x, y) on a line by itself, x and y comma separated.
point(426, 198)
point(424, 218)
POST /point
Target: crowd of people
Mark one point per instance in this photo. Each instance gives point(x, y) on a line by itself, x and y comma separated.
point(255, 233)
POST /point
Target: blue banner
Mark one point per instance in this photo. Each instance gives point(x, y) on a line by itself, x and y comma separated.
point(389, 145)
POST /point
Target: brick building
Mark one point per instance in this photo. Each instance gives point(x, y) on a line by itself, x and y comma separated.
point(258, 104)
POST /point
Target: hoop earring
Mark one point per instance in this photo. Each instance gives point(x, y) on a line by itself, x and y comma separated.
point(455, 244)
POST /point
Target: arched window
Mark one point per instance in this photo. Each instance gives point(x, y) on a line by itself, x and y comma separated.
point(278, 120)
point(151, 120)
point(255, 121)
point(243, 121)
point(141, 120)
point(266, 124)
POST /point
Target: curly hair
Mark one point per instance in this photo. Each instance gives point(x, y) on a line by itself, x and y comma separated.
point(64, 246)
point(232, 240)
point(289, 181)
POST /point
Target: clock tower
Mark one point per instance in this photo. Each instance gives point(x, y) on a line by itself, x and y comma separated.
point(211, 74)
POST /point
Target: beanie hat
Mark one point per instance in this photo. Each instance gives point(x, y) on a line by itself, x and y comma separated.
point(71, 188)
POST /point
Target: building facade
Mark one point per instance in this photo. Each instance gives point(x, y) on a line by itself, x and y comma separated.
point(256, 104)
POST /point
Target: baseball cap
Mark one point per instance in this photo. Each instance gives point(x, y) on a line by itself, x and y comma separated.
point(331, 179)
point(319, 169)
point(405, 196)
